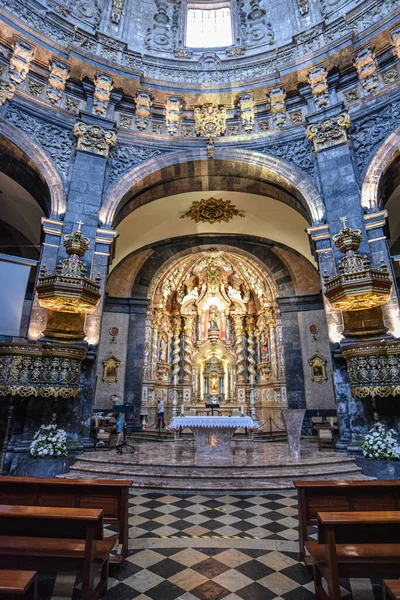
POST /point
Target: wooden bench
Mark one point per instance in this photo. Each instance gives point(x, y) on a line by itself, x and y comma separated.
point(19, 585)
point(354, 544)
point(320, 496)
point(56, 539)
point(112, 496)
point(391, 590)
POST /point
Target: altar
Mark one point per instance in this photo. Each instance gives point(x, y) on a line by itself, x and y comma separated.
point(213, 435)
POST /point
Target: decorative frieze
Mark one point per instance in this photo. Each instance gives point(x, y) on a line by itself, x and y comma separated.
point(247, 112)
point(277, 98)
point(329, 132)
point(390, 75)
point(20, 61)
point(144, 102)
point(296, 116)
point(367, 68)
point(71, 105)
point(297, 152)
point(317, 78)
point(103, 85)
point(7, 91)
point(57, 79)
point(116, 10)
point(92, 138)
point(173, 114)
point(351, 95)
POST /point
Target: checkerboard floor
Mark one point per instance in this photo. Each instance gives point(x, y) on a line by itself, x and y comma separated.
point(209, 548)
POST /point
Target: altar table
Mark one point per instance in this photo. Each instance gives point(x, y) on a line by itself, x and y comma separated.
point(213, 435)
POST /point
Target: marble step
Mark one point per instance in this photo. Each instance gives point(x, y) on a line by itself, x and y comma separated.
point(152, 483)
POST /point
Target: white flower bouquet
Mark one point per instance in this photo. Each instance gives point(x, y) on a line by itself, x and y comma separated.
point(49, 442)
point(381, 443)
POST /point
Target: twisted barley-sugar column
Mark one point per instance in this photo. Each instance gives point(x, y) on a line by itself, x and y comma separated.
point(240, 358)
point(251, 351)
point(187, 349)
point(176, 348)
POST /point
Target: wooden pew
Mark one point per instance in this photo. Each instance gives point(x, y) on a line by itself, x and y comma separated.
point(354, 544)
point(391, 590)
point(319, 496)
point(18, 585)
point(112, 496)
point(56, 539)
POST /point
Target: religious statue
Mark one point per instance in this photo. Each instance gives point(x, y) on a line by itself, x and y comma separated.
point(163, 350)
point(265, 350)
point(214, 312)
point(214, 384)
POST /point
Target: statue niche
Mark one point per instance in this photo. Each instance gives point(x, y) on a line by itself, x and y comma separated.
point(214, 378)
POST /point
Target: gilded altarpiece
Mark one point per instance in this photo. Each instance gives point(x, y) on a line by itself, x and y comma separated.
point(213, 333)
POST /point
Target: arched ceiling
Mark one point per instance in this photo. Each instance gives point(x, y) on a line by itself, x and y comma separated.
point(265, 218)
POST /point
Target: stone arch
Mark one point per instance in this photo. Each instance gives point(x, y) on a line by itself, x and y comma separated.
point(131, 277)
point(380, 161)
point(29, 154)
point(290, 184)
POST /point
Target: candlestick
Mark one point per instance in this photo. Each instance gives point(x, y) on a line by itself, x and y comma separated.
point(182, 409)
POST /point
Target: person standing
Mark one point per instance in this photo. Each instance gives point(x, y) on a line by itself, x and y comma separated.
point(120, 420)
point(160, 414)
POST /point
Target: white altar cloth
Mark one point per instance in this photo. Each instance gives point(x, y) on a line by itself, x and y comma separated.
point(204, 421)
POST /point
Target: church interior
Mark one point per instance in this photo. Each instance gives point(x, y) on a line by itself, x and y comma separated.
point(200, 319)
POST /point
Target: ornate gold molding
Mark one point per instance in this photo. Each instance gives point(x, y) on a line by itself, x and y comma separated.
point(34, 370)
point(92, 138)
point(374, 369)
point(212, 210)
point(358, 286)
point(330, 132)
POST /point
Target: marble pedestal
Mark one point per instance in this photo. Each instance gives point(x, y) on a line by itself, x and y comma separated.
point(293, 419)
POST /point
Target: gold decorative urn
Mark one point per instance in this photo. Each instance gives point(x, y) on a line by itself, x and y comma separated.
point(68, 294)
point(358, 285)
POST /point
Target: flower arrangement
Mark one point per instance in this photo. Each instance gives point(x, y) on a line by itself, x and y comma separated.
point(49, 442)
point(381, 443)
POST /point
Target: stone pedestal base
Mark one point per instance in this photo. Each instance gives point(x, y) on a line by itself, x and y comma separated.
point(293, 419)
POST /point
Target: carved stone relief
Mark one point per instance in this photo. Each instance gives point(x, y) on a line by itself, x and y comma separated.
point(395, 34)
point(254, 23)
point(246, 108)
point(6, 91)
point(330, 132)
point(87, 11)
point(297, 152)
point(144, 102)
point(126, 156)
point(54, 140)
point(173, 114)
point(277, 98)
point(35, 88)
point(20, 60)
point(367, 68)
point(92, 138)
point(116, 10)
point(161, 36)
point(103, 86)
point(317, 78)
point(57, 80)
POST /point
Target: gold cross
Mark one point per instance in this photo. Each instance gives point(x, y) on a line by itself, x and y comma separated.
point(79, 223)
point(344, 221)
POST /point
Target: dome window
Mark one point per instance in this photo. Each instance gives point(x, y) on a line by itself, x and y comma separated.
point(208, 24)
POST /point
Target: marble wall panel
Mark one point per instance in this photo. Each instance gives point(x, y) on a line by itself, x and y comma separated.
point(119, 349)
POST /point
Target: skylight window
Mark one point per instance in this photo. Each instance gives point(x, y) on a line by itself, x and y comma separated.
point(208, 28)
